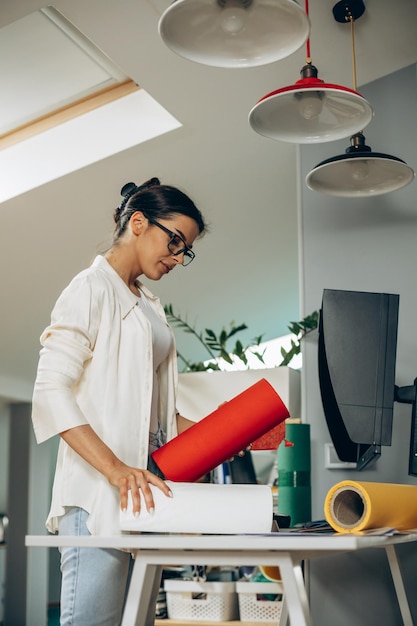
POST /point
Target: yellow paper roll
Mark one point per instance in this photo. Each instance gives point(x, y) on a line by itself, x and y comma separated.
point(271, 572)
point(352, 506)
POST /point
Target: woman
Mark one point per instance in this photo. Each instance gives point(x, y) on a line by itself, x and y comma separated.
point(106, 384)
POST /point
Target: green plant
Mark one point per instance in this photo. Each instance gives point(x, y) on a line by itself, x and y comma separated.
point(300, 330)
point(217, 344)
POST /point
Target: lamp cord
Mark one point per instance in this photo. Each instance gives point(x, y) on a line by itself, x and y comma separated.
point(348, 17)
point(352, 32)
point(352, 37)
point(308, 55)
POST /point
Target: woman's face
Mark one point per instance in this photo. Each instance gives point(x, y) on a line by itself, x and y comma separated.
point(155, 258)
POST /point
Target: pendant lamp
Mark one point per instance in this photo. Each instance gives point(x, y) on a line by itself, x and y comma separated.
point(311, 111)
point(359, 172)
point(234, 33)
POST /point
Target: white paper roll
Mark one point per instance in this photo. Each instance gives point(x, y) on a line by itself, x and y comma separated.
point(204, 508)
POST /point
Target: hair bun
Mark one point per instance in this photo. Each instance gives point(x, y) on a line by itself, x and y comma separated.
point(128, 189)
point(152, 182)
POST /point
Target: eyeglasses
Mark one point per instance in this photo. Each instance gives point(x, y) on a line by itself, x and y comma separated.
point(176, 244)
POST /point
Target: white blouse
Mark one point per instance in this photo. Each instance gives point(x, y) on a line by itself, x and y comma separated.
point(96, 367)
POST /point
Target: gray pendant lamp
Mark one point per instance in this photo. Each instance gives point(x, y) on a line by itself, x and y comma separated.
point(234, 33)
point(359, 172)
point(310, 110)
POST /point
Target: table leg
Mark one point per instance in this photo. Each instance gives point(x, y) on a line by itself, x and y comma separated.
point(296, 605)
point(399, 585)
point(142, 595)
point(284, 618)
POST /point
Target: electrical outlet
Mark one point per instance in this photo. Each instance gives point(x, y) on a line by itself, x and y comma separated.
point(332, 461)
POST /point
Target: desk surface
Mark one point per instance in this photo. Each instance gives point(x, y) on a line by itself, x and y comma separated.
point(287, 550)
point(275, 542)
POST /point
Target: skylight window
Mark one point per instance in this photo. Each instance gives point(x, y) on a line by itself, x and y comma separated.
point(59, 89)
point(49, 65)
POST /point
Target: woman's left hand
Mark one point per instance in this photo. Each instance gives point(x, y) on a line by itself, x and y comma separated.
point(242, 452)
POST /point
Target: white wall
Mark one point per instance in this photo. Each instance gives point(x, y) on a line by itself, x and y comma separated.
point(4, 460)
point(364, 245)
point(4, 454)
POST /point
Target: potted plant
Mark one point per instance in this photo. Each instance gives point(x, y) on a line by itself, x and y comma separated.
point(217, 345)
point(204, 385)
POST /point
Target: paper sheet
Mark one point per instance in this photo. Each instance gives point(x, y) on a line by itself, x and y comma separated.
point(205, 508)
point(352, 506)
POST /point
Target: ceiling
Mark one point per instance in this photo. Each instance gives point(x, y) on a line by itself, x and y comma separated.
point(246, 186)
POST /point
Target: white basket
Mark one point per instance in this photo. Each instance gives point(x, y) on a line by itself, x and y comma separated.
point(201, 601)
point(254, 606)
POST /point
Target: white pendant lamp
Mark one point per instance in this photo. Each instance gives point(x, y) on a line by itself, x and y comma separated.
point(311, 111)
point(359, 172)
point(234, 33)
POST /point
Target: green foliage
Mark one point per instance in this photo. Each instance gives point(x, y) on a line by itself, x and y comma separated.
point(300, 330)
point(217, 344)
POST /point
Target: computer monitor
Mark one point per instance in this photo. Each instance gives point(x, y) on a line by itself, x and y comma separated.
point(357, 358)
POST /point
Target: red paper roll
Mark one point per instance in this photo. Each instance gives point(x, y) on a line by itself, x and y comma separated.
point(222, 434)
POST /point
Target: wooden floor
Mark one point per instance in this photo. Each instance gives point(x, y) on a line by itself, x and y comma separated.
point(54, 621)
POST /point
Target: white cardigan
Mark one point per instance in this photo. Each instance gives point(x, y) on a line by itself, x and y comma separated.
point(95, 368)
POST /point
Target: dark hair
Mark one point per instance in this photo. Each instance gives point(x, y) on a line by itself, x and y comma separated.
point(155, 201)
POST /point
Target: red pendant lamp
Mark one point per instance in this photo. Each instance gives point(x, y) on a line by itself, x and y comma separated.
point(311, 111)
point(234, 33)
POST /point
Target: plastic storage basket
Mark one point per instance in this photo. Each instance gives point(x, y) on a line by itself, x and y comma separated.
point(201, 601)
point(260, 601)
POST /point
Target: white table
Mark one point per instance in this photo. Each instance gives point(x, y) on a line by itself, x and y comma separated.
point(286, 550)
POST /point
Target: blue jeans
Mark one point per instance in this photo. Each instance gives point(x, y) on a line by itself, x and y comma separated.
point(94, 580)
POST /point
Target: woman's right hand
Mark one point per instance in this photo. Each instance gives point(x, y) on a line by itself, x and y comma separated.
point(92, 449)
point(136, 480)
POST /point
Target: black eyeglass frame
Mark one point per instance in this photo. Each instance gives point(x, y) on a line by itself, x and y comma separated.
point(189, 255)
